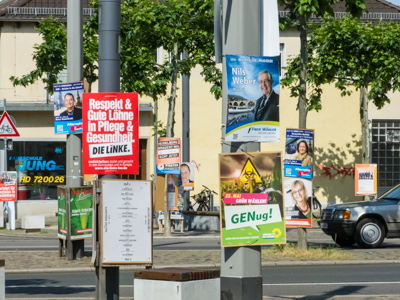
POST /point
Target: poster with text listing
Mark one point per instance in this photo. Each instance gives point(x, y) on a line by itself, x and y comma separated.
point(110, 141)
point(298, 206)
point(126, 222)
point(299, 153)
point(8, 186)
point(366, 179)
point(81, 212)
point(252, 202)
point(168, 155)
point(68, 107)
point(253, 98)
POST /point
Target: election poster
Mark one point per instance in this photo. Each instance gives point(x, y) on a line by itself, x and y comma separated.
point(168, 155)
point(299, 153)
point(68, 107)
point(252, 202)
point(62, 213)
point(186, 177)
point(110, 141)
point(366, 179)
point(298, 206)
point(81, 212)
point(8, 186)
point(253, 98)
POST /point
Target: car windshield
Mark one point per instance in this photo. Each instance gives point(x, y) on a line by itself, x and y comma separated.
point(392, 195)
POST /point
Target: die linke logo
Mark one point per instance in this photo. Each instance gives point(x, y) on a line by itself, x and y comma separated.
point(7, 127)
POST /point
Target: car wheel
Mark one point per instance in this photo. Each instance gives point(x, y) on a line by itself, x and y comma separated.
point(344, 241)
point(370, 233)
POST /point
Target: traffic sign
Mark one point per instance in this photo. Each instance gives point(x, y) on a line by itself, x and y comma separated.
point(7, 127)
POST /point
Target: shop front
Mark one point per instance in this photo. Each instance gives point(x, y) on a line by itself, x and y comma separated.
point(40, 167)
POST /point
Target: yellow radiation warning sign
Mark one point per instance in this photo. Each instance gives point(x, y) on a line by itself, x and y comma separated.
point(249, 172)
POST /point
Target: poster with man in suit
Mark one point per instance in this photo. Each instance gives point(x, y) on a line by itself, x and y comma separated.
point(253, 99)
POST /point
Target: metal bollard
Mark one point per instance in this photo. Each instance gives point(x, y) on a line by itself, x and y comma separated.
point(2, 279)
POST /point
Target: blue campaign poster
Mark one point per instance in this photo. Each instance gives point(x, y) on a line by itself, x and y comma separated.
point(253, 98)
point(68, 107)
point(299, 153)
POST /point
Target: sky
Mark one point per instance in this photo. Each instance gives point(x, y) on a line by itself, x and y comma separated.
point(396, 2)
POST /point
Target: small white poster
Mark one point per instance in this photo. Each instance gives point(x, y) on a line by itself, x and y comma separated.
point(126, 222)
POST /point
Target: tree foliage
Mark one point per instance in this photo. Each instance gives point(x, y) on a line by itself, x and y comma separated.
point(299, 12)
point(185, 25)
point(51, 55)
point(350, 54)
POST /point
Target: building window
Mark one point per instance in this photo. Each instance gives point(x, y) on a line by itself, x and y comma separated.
point(386, 151)
point(40, 167)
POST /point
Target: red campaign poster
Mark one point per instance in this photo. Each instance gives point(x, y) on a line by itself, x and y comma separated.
point(8, 186)
point(110, 140)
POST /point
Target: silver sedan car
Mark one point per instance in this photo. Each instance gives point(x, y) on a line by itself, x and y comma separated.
point(366, 223)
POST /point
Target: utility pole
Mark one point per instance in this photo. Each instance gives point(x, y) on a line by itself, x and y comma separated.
point(185, 126)
point(107, 278)
point(240, 266)
point(249, 28)
point(74, 141)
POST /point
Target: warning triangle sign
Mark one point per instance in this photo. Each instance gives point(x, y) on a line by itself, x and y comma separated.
point(7, 127)
point(248, 172)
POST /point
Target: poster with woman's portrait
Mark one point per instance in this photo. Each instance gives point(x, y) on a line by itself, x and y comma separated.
point(299, 153)
point(298, 202)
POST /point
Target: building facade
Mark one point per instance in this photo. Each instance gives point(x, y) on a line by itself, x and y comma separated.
point(337, 126)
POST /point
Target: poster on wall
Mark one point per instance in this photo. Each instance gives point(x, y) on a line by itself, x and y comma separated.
point(298, 206)
point(81, 212)
point(168, 155)
point(252, 203)
point(110, 141)
point(8, 186)
point(68, 107)
point(366, 179)
point(186, 177)
point(299, 153)
point(253, 98)
point(62, 213)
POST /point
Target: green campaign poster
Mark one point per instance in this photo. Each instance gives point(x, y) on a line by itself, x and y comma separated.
point(62, 224)
point(252, 204)
point(81, 205)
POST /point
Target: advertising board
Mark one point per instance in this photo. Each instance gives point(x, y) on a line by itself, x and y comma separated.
point(126, 222)
point(252, 203)
point(68, 107)
point(253, 98)
point(110, 140)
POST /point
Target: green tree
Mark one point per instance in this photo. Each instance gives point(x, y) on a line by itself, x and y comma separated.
point(51, 55)
point(350, 53)
point(299, 12)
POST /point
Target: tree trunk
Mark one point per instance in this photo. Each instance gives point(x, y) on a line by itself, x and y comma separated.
point(302, 104)
point(170, 132)
point(364, 124)
point(172, 98)
point(167, 219)
point(365, 151)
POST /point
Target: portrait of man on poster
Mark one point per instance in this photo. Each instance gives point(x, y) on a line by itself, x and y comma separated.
point(267, 106)
point(71, 110)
